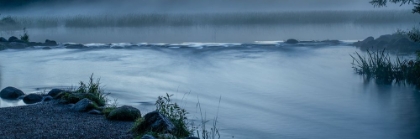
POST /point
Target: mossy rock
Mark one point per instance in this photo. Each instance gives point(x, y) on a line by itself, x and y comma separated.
point(124, 113)
point(76, 97)
point(84, 105)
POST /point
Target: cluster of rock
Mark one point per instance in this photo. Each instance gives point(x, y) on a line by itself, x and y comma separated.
point(393, 42)
point(16, 43)
point(152, 121)
point(329, 42)
point(12, 93)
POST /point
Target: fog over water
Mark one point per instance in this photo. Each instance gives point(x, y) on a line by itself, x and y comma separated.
point(203, 50)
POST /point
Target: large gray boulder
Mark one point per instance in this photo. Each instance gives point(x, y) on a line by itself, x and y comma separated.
point(2, 39)
point(32, 98)
point(84, 105)
point(124, 113)
point(156, 122)
point(11, 93)
point(13, 39)
point(54, 92)
point(50, 43)
point(291, 41)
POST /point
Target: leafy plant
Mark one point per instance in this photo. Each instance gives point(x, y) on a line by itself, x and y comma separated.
point(92, 90)
point(176, 114)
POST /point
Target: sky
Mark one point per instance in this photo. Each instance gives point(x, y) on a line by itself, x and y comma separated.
point(195, 6)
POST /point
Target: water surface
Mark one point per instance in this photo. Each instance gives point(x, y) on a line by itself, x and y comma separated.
point(267, 89)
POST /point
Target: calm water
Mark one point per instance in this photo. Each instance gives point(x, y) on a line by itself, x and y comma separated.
point(267, 89)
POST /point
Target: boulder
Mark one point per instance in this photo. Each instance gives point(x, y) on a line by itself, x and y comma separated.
point(335, 42)
point(50, 43)
point(156, 122)
point(46, 48)
point(54, 92)
point(2, 39)
point(84, 105)
point(11, 93)
point(147, 136)
point(47, 98)
point(124, 113)
point(292, 41)
point(13, 39)
point(32, 98)
point(17, 45)
point(96, 112)
point(34, 44)
point(75, 46)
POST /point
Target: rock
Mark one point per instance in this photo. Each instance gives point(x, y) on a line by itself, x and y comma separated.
point(34, 44)
point(147, 136)
point(84, 105)
point(46, 48)
point(75, 46)
point(124, 113)
point(54, 92)
point(2, 39)
point(50, 43)
point(11, 93)
point(17, 45)
point(47, 98)
point(331, 41)
point(292, 41)
point(156, 122)
point(96, 112)
point(32, 98)
point(13, 39)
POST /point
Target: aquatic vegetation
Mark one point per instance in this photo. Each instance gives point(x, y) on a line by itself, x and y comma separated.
point(379, 66)
point(178, 117)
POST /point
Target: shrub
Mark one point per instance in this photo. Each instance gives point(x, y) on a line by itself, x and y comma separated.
point(92, 91)
point(25, 36)
point(379, 66)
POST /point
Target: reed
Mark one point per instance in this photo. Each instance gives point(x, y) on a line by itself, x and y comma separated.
point(379, 66)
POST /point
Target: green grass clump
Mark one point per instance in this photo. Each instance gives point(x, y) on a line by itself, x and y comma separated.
point(174, 113)
point(91, 90)
point(379, 66)
point(178, 116)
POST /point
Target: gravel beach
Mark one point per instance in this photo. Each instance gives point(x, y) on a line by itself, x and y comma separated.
point(52, 120)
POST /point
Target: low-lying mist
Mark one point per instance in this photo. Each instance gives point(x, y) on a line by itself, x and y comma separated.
point(214, 19)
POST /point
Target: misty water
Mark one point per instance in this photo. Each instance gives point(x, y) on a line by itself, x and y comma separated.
point(267, 89)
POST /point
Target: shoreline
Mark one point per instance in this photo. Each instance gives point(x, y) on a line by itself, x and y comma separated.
point(54, 120)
